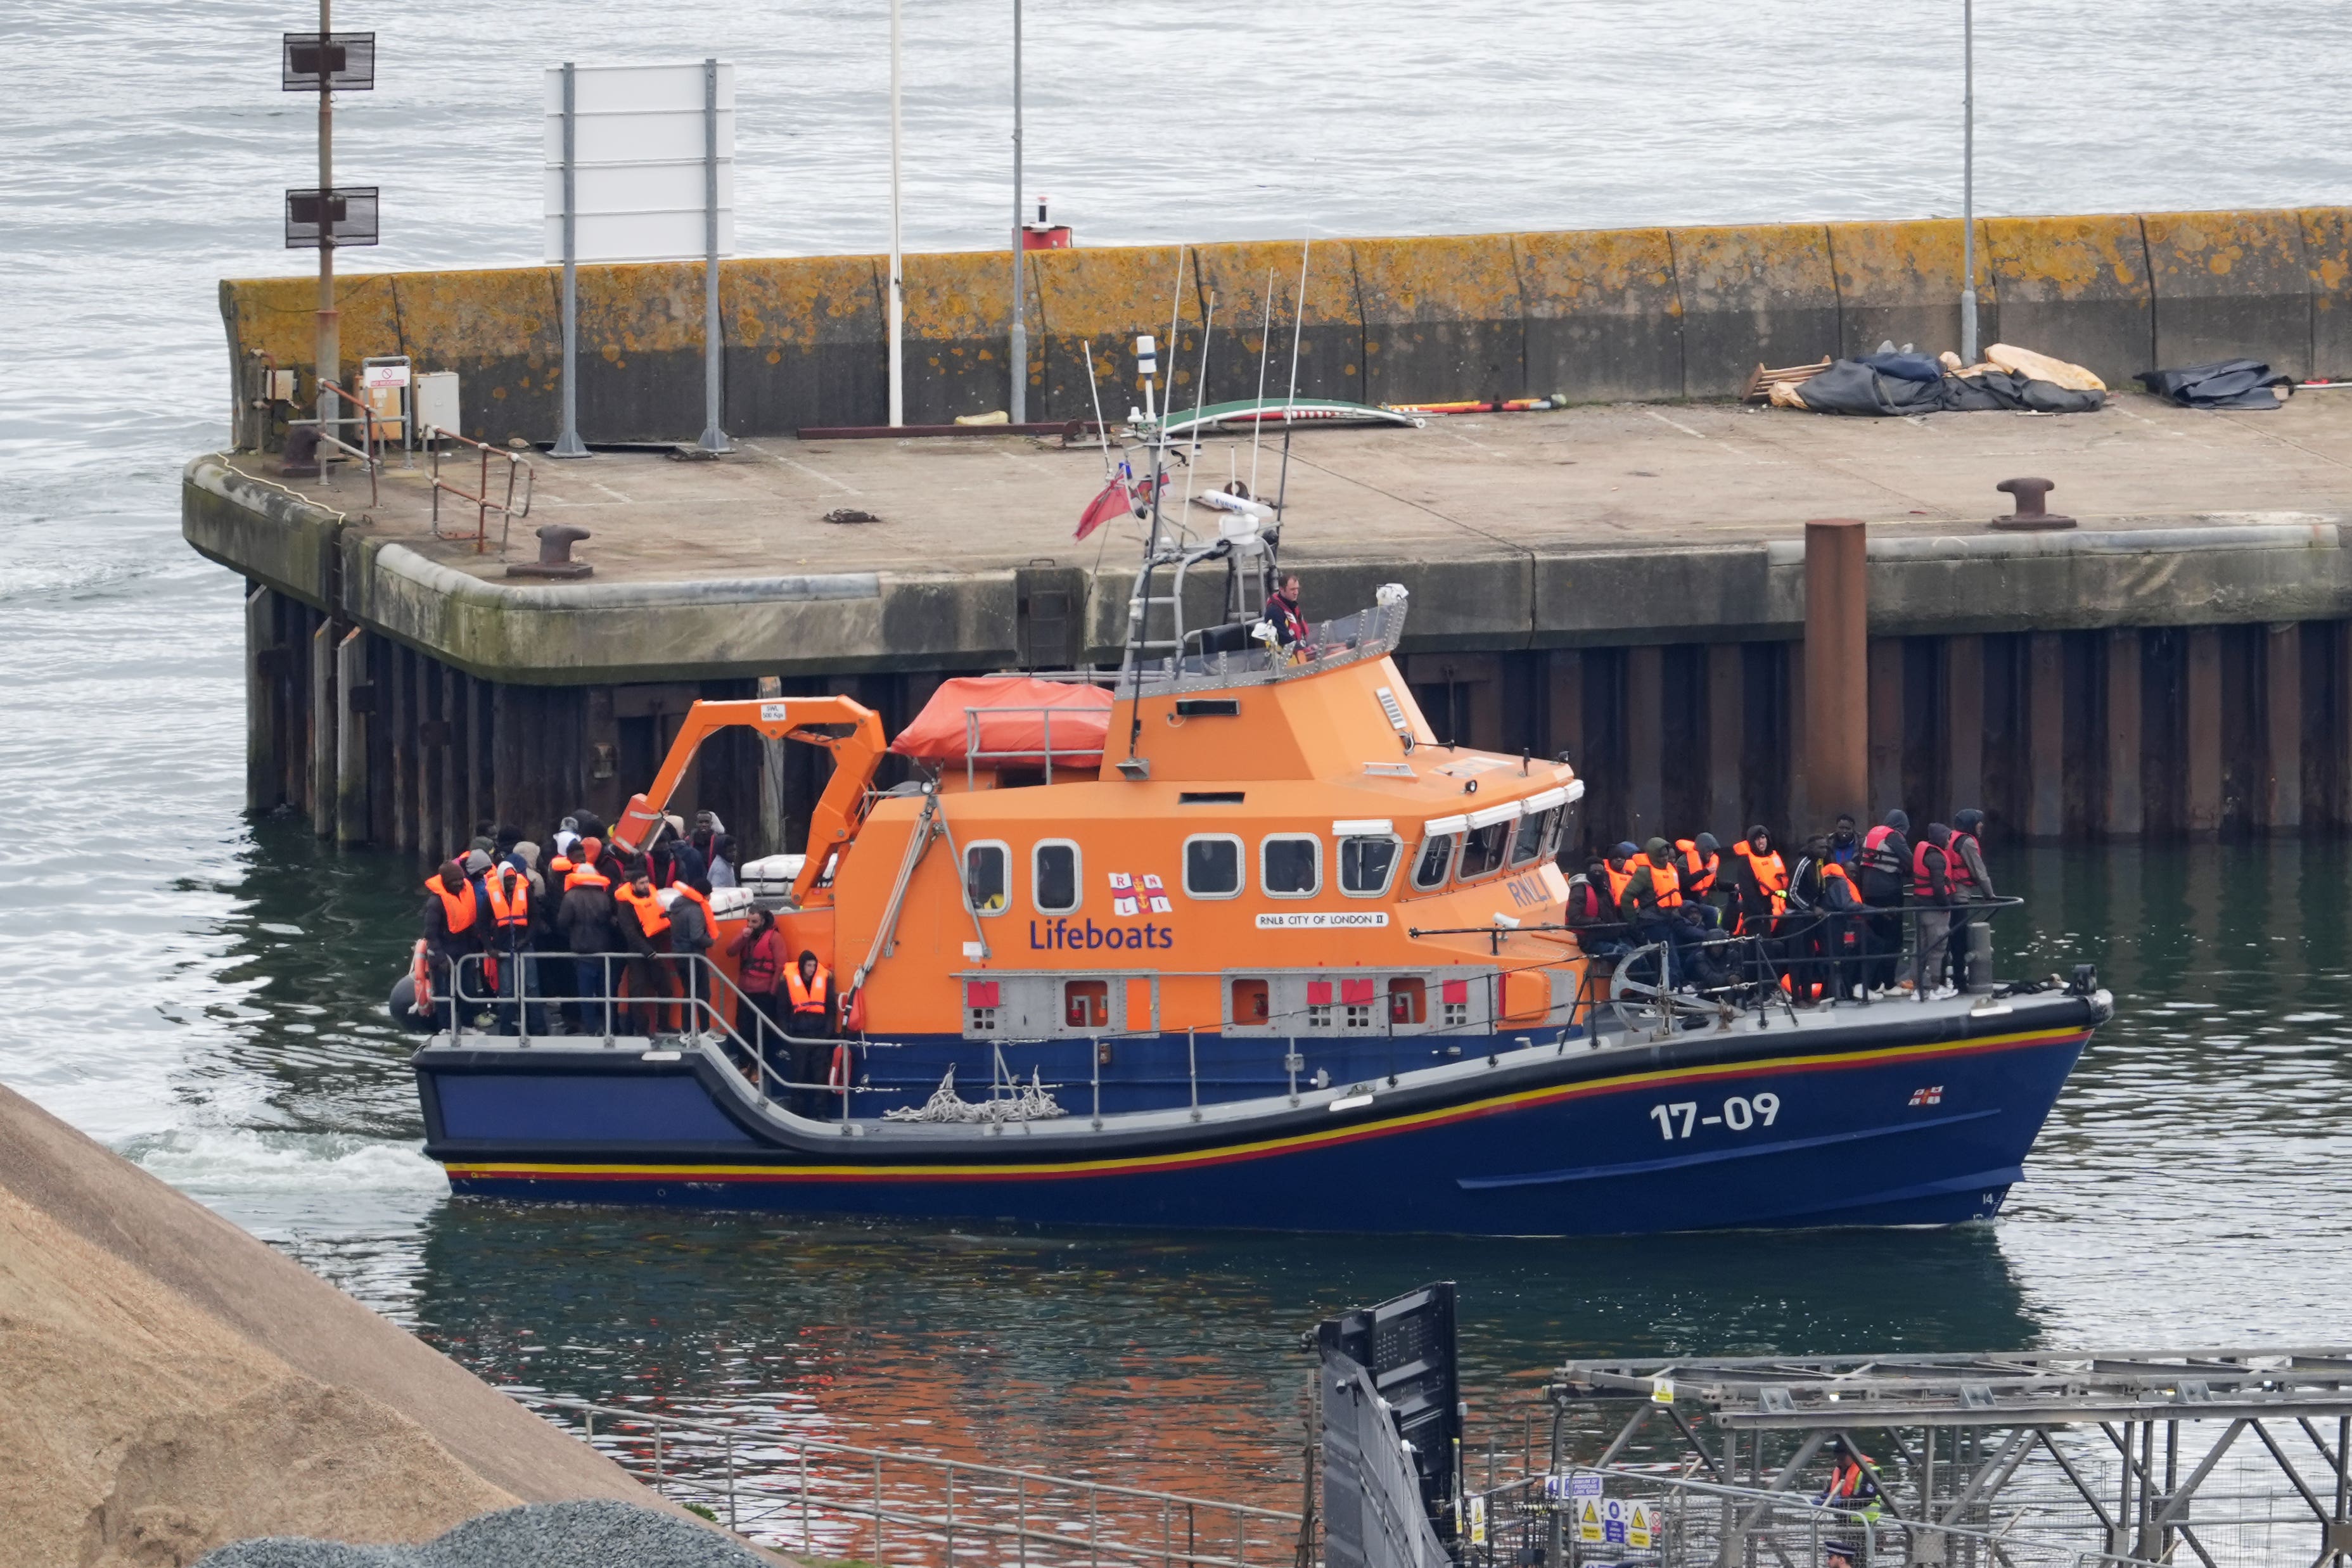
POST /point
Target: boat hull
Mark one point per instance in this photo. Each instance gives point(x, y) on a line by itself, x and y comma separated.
point(1911, 1117)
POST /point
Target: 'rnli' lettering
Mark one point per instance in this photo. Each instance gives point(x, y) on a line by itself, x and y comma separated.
point(1069, 935)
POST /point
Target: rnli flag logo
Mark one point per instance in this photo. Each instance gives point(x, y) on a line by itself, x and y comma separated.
point(1121, 883)
point(1933, 1096)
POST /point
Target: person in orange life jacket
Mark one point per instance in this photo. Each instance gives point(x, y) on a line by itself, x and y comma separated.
point(693, 927)
point(1931, 890)
point(1700, 862)
point(1282, 610)
point(453, 926)
point(1652, 905)
point(1592, 911)
point(1841, 936)
point(506, 888)
point(1886, 868)
point(643, 928)
point(586, 918)
point(808, 990)
point(1851, 1487)
point(1971, 885)
point(1619, 868)
point(759, 954)
point(1759, 885)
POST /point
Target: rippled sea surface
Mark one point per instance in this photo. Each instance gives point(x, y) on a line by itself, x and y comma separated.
point(197, 988)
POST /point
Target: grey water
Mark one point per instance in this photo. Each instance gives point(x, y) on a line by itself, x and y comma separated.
point(201, 990)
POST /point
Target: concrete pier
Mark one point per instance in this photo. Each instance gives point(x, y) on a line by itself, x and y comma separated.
point(1625, 583)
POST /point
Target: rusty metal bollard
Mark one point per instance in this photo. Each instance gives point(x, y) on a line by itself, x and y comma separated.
point(555, 542)
point(2030, 512)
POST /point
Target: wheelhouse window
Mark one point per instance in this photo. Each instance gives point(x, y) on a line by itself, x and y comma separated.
point(1212, 865)
point(1534, 837)
point(1290, 866)
point(1436, 862)
point(988, 877)
point(1482, 850)
point(1055, 878)
point(1368, 864)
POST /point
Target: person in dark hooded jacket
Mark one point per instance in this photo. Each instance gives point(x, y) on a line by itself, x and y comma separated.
point(584, 919)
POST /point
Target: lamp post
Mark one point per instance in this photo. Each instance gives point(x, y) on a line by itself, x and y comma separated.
point(895, 305)
point(1969, 181)
point(1020, 345)
point(328, 351)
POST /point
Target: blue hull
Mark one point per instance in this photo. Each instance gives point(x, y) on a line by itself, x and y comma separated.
point(1892, 1115)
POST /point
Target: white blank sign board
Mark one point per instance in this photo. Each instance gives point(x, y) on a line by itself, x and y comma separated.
point(637, 161)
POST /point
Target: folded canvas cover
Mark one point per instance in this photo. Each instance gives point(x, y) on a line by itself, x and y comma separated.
point(1014, 734)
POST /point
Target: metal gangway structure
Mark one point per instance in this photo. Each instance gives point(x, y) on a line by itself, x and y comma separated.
point(2008, 1459)
point(826, 1501)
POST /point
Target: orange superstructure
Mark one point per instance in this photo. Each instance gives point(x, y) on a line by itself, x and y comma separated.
point(1279, 849)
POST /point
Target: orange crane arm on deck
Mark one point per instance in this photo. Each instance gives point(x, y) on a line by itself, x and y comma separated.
point(856, 755)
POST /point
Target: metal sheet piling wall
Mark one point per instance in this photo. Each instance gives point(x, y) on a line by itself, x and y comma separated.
point(2113, 734)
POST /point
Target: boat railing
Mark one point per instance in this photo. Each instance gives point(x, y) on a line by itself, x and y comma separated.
point(974, 753)
point(833, 1501)
point(708, 1006)
point(1659, 976)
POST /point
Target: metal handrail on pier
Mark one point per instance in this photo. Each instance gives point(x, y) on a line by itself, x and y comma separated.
point(480, 497)
point(368, 454)
point(807, 1484)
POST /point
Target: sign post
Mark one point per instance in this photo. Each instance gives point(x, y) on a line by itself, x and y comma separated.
point(640, 166)
point(1019, 406)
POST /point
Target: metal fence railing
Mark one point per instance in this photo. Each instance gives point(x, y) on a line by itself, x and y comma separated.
point(836, 1501)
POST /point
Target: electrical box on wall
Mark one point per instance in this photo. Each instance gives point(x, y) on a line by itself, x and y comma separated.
point(436, 402)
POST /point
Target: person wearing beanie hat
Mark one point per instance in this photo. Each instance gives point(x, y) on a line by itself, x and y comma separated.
point(1652, 899)
point(1931, 891)
point(1618, 866)
point(567, 836)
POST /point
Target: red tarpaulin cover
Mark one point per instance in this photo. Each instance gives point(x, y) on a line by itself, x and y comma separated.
point(1081, 718)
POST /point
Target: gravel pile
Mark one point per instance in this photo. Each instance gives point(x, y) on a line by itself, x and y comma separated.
point(591, 1535)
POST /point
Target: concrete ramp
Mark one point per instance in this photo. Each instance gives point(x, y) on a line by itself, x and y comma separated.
point(174, 1385)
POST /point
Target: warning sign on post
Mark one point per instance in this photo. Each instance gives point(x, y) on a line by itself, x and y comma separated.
point(1615, 1521)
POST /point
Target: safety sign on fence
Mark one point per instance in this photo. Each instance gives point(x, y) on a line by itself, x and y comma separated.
point(1615, 1521)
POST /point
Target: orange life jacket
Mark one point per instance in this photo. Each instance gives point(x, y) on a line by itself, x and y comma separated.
point(1665, 884)
point(459, 907)
point(646, 907)
point(809, 998)
point(709, 916)
point(509, 894)
point(1698, 874)
point(1769, 872)
point(586, 876)
point(1617, 880)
